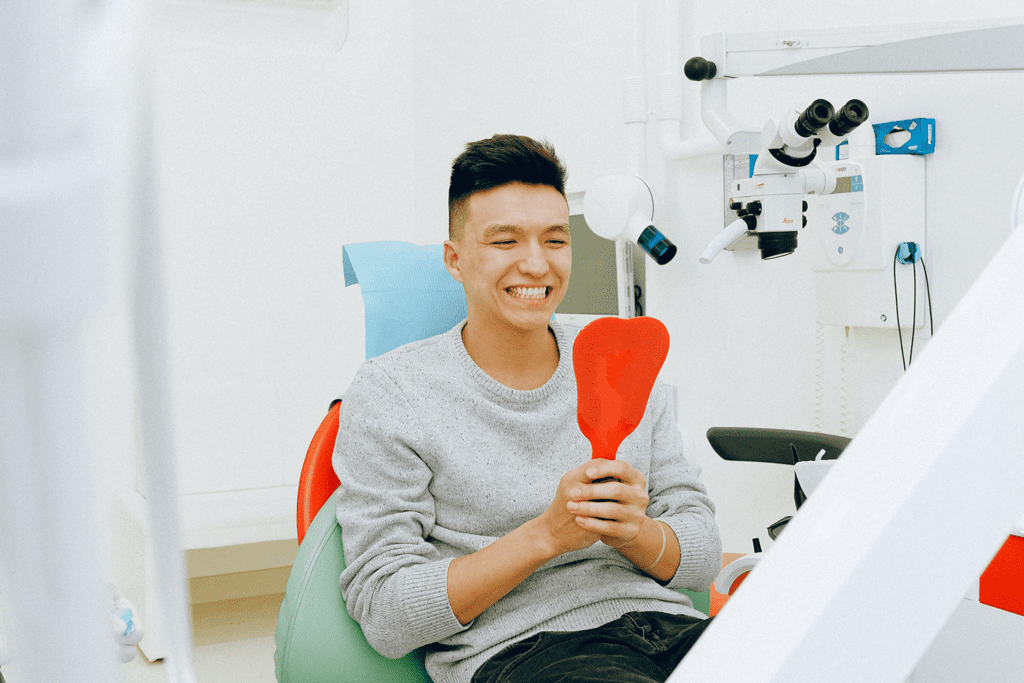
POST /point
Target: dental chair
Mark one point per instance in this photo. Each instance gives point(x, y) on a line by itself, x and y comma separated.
point(408, 295)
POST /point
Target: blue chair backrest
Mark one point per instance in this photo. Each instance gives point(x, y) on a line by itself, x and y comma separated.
point(408, 294)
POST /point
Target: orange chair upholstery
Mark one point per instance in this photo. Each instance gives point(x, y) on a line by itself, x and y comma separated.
point(318, 482)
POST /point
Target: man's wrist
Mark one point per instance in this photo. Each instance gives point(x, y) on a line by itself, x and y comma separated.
point(541, 541)
point(644, 546)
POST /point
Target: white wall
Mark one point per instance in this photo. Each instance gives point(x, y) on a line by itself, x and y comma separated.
point(271, 157)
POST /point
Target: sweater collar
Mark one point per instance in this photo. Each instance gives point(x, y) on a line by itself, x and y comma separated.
point(563, 380)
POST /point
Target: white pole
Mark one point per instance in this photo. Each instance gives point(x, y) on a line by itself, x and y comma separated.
point(56, 180)
point(635, 116)
point(150, 328)
point(54, 254)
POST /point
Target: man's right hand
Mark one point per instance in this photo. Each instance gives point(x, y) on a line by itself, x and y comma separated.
point(560, 526)
point(478, 580)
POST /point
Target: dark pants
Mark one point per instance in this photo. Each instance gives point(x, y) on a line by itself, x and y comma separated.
point(640, 647)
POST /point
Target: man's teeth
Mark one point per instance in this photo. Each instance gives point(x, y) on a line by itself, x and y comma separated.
point(529, 292)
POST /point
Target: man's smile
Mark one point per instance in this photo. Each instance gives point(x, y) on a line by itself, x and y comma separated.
point(529, 293)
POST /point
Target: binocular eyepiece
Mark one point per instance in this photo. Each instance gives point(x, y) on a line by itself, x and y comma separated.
point(820, 114)
point(849, 117)
point(814, 118)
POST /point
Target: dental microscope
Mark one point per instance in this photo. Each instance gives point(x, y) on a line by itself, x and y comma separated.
point(770, 204)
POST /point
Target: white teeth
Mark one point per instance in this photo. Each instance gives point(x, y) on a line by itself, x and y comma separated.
point(528, 292)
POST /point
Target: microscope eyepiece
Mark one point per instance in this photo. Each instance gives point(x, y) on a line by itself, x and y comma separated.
point(814, 118)
point(849, 117)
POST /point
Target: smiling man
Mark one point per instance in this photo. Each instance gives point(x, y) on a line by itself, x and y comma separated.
point(513, 257)
point(474, 522)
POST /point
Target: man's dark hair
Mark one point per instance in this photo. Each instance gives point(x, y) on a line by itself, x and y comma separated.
point(497, 161)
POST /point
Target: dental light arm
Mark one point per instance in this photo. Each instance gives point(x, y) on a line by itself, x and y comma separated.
point(770, 204)
point(622, 207)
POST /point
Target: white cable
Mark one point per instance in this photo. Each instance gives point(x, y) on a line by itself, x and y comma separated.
point(819, 377)
point(1018, 199)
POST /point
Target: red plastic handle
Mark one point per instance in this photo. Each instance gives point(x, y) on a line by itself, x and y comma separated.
point(616, 362)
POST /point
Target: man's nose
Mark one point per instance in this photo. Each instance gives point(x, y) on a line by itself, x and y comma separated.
point(534, 261)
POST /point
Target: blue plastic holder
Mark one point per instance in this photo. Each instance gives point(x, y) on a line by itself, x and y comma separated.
point(908, 252)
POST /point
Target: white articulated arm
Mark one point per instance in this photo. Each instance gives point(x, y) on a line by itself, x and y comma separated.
point(939, 460)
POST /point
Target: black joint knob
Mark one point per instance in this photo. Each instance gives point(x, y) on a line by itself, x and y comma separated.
point(699, 69)
point(735, 206)
point(754, 208)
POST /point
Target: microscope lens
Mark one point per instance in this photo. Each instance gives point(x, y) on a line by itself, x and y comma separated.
point(776, 244)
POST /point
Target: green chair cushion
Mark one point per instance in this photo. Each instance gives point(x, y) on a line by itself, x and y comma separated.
point(317, 641)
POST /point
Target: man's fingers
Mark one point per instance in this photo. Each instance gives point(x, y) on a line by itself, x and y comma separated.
point(614, 469)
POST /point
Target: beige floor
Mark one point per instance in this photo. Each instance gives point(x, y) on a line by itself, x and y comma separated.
point(234, 643)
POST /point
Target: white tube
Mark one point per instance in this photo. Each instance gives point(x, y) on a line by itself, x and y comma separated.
point(635, 93)
point(730, 234)
point(679, 150)
point(1018, 200)
point(670, 94)
point(714, 111)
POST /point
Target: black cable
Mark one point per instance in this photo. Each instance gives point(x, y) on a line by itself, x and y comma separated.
point(913, 320)
point(896, 293)
point(931, 314)
point(928, 291)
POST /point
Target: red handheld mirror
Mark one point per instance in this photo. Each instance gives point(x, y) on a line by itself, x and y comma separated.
point(616, 362)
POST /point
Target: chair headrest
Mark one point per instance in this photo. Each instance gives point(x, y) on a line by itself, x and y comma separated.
point(408, 294)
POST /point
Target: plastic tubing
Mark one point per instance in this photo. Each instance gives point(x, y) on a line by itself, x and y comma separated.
point(1018, 199)
point(670, 94)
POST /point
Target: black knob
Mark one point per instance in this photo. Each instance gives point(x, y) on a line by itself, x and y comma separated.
point(754, 208)
point(699, 69)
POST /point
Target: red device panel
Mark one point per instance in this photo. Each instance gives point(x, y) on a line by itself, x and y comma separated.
point(1002, 584)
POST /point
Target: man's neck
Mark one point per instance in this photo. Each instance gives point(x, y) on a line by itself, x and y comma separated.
point(523, 360)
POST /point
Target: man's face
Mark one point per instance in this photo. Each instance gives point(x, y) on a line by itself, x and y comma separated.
point(514, 257)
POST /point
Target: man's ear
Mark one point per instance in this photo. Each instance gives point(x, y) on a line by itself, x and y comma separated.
point(451, 259)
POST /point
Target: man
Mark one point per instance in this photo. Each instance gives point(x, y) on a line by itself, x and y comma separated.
point(475, 522)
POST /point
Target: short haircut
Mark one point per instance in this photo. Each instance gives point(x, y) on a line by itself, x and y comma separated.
point(497, 161)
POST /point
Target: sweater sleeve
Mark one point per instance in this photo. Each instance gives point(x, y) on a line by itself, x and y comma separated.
point(395, 581)
point(679, 499)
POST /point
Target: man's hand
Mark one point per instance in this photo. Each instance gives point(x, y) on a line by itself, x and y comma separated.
point(559, 521)
point(584, 510)
point(609, 500)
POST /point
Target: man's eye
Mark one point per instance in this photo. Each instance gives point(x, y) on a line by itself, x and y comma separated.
point(506, 242)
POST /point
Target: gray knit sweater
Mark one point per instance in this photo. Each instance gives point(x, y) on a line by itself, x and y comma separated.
point(437, 460)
